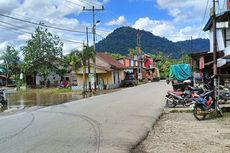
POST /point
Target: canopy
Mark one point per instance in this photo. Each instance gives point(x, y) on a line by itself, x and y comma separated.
point(3, 70)
point(180, 72)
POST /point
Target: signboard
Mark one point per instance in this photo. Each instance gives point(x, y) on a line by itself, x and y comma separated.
point(139, 76)
point(201, 63)
point(92, 80)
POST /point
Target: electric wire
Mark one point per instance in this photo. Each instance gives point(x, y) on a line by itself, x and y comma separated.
point(90, 3)
point(74, 3)
point(39, 20)
point(13, 27)
point(203, 18)
point(44, 25)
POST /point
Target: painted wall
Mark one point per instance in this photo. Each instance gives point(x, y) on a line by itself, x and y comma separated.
point(107, 78)
point(53, 78)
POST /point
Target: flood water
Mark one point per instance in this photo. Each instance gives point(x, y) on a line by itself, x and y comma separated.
point(39, 99)
point(33, 98)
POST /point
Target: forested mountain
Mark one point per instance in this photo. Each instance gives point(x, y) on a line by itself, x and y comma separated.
point(124, 38)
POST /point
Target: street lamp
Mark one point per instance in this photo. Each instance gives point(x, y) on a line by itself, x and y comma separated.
point(94, 49)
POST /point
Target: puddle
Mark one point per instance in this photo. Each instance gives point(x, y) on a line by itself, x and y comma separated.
point(35, 98)
point(39, 99)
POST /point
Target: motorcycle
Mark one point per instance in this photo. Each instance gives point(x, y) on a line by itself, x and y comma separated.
point(184, 98)
point(224, 92)
point(3, 101)
point(205, 104)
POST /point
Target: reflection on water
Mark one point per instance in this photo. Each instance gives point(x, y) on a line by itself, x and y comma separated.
point(33, 98)
point(39, 99)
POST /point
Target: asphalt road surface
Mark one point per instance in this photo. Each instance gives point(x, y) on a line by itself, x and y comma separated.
point(110, 123)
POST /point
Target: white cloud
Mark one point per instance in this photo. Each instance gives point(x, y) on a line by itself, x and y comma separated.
point(186, 20)
point(184, 10)
point(8, 5)
point(3, 46)
point(24, 37)
point(160, 28)
point(52, 12)
point(119, 21)
point(166, 29)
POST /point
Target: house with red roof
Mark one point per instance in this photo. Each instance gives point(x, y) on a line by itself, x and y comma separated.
point(143, 67)
point(109, 72)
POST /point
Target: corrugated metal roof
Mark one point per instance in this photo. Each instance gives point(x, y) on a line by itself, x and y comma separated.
point(111, 61)
point(220, 17)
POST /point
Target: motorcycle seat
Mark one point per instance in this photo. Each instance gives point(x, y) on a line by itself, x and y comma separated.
point(177, 92)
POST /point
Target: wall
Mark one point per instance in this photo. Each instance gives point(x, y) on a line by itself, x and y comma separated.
point(53, 78)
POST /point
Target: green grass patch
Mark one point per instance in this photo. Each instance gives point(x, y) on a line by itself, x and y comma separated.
point(181, 111)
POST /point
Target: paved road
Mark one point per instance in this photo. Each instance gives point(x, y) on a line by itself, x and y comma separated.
point(110, 123)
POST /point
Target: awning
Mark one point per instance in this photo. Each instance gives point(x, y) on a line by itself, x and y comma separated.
point(227, 53)
point(221, 62)
point(3, 70)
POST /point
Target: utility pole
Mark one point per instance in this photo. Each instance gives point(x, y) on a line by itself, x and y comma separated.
point(214, 48)
point(139, 55)
point(84, 70)
point(87, 45)
point(94, 40)
point(191, 44)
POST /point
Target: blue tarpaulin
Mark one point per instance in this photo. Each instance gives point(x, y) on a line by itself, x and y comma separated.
point(180, 72)
point(3, 70)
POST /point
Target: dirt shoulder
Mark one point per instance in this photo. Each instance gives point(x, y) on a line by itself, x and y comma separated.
point(181, 132)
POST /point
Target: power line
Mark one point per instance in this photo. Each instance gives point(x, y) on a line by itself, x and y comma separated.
point(37, 19)
point(11, 26)
point(34, 23)
point(91, 3)
point(203, 18)
point(74, 3)
point(24, 31)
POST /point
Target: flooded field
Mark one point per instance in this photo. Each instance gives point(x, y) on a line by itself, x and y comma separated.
point(29, 99)
point(45, 97)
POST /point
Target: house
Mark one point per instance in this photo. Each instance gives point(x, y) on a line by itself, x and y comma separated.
point(151, 69)
point(131, 65)
point(144, 67)
point(204, 61)
point(109, 72)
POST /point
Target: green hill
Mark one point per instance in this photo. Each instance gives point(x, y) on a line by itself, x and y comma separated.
point(124, 38)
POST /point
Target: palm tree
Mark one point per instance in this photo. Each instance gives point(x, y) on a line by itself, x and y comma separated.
point(90, 54)
point(81, 58)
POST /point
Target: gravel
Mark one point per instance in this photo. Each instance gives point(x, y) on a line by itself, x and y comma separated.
point(181, 132)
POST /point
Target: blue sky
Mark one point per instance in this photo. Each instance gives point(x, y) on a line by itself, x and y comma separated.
point(174, 19)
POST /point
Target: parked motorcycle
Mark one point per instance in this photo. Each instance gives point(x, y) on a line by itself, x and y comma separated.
point(204, 105)
point(224, 92)
point(3, 101)
point(184, 98)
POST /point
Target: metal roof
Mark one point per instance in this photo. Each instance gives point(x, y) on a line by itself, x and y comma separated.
point(220, 17)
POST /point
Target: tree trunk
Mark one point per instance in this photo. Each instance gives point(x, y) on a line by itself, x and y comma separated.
point(84, 79)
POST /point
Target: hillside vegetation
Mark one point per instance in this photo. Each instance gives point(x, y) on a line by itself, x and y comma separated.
point(124, 38)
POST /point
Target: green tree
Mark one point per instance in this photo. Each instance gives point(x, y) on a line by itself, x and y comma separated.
point(43, 53)
point(184, 59)
point(116, 55)
point(86, 55)
point(163, 63)
point(82, 59)
point(132, 52)
point(73, 59)
point(11, 61)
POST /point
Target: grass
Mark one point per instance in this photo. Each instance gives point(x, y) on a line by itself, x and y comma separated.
point(180, 111)
point(211, 115)
point(49, 91)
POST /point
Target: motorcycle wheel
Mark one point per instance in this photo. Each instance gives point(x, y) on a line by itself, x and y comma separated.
point(170, 104)
point(199, 112)
point(219, 111)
